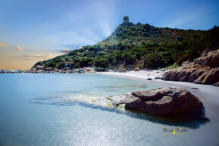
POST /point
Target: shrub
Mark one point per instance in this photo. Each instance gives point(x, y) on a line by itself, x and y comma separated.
point(101, 62)
point(152, 61)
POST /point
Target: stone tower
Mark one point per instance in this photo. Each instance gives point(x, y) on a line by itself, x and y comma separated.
point(125, 19)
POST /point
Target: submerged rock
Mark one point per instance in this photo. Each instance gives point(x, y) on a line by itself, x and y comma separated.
point(172, 101)
point(157, 78)
point(122, 70)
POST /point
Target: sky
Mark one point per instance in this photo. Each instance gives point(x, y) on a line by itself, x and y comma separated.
point(35, 30)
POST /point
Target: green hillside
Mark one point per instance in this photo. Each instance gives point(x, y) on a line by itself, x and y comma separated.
point(139, 45)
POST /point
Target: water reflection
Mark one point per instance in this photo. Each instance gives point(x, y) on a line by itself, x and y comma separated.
point(86, 100)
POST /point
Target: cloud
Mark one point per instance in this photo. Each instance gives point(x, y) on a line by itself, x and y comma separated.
point(106, 28)
point(71, 46)
point(92, 27)
point(3, 45)
point(66, 50)
point(77, 37)
point(185, 19)
point(19, 48)
point(38, 56)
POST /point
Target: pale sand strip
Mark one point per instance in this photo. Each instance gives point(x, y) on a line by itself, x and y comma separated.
point(207, 93)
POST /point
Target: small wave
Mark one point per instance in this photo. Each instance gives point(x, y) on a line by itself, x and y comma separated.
point(107, 103)
point(73, 99)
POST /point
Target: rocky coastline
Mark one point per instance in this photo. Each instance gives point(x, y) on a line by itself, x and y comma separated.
point(11, 71)
point(203, 70)
point(92, 69)
point(162, 102)
point(51, 70)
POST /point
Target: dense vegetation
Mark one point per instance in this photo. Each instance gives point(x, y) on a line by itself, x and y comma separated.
point(139, 45)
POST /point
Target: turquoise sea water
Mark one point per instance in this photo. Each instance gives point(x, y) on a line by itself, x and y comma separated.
point(34, 110)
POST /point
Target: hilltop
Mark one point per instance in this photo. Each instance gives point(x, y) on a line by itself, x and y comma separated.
point(137, 46)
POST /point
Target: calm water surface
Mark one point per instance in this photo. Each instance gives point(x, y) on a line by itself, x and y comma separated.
point(34, 111)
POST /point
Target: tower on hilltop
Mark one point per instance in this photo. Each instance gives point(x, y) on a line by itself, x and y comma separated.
point(125, 19)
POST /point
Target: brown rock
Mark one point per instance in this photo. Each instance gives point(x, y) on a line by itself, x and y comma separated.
point(152, 94)
point(217, 84)
point(204, 70)
point(164, 101)
point(212, 76)
point(210, 59)
point(136, 69)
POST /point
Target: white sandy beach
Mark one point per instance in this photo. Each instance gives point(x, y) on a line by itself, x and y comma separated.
point(207, 93)
point(142, 74)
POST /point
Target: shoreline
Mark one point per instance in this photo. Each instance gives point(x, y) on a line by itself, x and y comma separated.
point(142, 74)
point(207, 93)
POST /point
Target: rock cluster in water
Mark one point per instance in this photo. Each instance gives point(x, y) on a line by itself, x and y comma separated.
point(204, 70)
point(172, 101)
point(11, 71)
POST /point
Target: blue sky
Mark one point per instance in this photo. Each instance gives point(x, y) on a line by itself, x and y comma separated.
point(49, 26)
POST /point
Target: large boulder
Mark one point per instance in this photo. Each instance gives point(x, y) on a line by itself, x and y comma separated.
point(172, 101)
point(210, 59)
point(99, 69)
point(204, 70)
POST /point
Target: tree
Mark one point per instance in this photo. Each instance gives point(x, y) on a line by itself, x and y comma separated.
point(101, 62)
point(152, 61)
